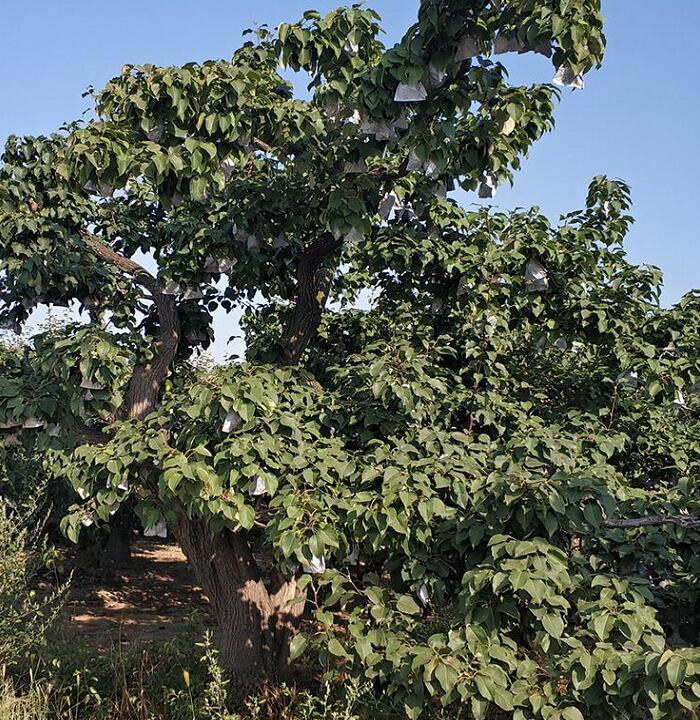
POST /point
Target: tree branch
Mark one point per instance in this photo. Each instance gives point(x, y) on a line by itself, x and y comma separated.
point(262, 145)
point(313, 285)
point(274, 153)
point(687, 522)
point(144, 386)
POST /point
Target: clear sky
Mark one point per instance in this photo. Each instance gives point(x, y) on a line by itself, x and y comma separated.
point(637, 119)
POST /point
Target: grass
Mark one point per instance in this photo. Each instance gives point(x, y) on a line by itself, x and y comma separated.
point(168, 681)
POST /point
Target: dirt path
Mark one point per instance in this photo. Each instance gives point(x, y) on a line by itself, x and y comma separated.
point(155, 599)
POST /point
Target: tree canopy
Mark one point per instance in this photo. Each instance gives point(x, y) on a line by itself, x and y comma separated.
point(482, 481)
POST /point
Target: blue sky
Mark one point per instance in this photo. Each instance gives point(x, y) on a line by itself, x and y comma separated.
point(637, 118)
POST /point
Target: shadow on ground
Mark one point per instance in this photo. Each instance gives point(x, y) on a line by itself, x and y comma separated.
point(156, 599)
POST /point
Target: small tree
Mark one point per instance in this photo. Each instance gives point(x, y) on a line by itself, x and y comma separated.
point(461, 473)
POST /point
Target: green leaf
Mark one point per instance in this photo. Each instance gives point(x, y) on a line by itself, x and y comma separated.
point(553, 624)
point(593, 515)
point(335, 648)
point(675, 670)
point(297, 646)
point(447, 676)
point(504, 699)
point(198, 188)
point(246, 516)
point(479, 708)
point(571, 713)
point(655, 387)
point(413, 706)
point(407, 605)
point(172, 478)
point(601, 625)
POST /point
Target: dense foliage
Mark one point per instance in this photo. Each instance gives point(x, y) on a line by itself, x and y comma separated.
point(484, 484)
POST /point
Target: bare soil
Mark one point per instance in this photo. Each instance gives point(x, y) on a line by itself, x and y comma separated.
point(155, 598)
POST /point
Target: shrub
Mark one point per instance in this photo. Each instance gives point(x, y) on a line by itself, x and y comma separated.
point(25, 612)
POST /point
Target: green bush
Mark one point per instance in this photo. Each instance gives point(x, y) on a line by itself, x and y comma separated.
point(25, 613)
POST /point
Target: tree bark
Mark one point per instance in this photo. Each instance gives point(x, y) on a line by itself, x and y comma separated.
point(254, 624)
point(683, 521)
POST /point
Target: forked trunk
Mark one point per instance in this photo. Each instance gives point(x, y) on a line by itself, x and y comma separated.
point(254, 624)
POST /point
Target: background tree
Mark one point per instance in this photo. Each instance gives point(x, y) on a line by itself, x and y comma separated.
point(450, 471)
point(25, 483)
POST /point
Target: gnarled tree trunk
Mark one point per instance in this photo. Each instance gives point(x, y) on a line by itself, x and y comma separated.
point(255, 621)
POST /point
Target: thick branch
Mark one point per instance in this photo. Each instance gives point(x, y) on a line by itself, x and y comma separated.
point(684, 521)
point(313, 285)
point(262, 145)
point(146, 380)
point(274, 153)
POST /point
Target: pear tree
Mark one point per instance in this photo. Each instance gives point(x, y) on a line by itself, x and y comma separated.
point(459, 458)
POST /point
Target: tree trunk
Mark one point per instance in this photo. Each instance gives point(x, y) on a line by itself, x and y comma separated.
point(313, 285)
point(117, 546)
point(254, 624)
point(110, 546)
point(117, 552)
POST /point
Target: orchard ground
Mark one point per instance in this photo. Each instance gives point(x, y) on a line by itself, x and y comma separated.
point(154, 599)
